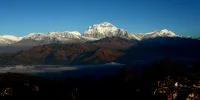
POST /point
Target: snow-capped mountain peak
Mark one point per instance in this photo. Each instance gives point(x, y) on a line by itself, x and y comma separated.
point(74, 32)
point(31, 35)
point(101, 28)
point(53, 35)
point(104, 24)
point(65, 36)
point(105, 29)
point(167, 32)
point(11, 37)
point(159, 33)
point(8, 39)
point(36, 36)
point(94, 32)
point(66, 32)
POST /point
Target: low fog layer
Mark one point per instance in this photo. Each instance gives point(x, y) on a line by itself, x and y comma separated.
point(34, 69)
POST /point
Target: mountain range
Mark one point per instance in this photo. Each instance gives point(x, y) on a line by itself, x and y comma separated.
point(94, 32)
point(99, 44)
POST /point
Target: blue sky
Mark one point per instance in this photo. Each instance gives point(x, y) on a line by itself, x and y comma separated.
point(21, 17)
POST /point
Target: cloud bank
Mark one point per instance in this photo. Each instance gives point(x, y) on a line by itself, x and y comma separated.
point(35, 69)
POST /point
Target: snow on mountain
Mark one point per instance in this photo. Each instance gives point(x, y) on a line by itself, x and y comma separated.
point(94, 32)
point(36, 36)
point(8, 39)
point(139, 35)
point(4, 41)
point(99, 31)
point(125, 34)
point(157, 33)
point(106, 29)
point(52, 37)
point(102, 28)
point(65, 36)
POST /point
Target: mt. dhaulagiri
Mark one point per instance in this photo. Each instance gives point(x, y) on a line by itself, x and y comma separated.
point(105, 29)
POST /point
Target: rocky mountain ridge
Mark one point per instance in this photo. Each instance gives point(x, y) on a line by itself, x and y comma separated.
point(94, 32)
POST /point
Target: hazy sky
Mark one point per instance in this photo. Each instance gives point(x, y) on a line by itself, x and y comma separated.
point(21, 17)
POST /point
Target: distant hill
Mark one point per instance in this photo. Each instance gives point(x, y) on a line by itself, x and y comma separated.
point(156, 48)
point(106, 50)
point(69, 54)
